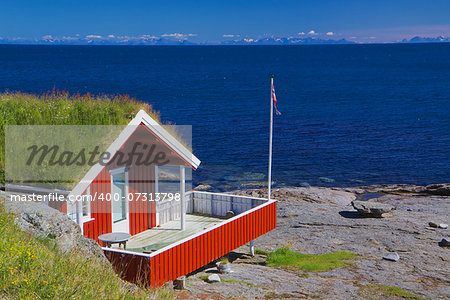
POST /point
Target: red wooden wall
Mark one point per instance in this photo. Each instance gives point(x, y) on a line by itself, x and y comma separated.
point(100, 209)
point(142, 214)
point(196, 252)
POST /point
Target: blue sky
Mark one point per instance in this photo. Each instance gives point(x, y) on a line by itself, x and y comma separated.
point(210, 20)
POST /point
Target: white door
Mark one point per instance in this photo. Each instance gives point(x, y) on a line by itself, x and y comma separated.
point(119, 201)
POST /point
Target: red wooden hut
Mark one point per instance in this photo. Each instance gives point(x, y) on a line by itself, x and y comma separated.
point(170, 237)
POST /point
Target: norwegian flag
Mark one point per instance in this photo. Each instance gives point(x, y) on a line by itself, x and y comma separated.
point(274, 97)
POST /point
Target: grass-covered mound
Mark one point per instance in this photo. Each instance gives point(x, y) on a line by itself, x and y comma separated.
point(35, 269)
point(60, 108)
point(284, 257)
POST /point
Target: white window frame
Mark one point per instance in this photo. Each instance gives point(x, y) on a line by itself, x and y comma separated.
point(117, 171)
point(87, 199)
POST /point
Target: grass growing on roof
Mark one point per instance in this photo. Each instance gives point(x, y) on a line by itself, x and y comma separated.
point(60, 108)
point(35, 269)
point(284, 257)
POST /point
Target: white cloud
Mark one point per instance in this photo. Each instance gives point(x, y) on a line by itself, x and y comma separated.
point(372, 37)
point(301, 33)
point(311, 32)
point(69, 38)
point(179, 35)
point(330, 33)
point(47, 37)
point(230, 35)
point(148, 36)
point(92, 36)
point(111, 36)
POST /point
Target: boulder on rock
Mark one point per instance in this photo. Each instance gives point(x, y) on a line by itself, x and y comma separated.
point(393, 256)
point(371, 209)
point(444, 243)
point(45, 222)
point(214, 278)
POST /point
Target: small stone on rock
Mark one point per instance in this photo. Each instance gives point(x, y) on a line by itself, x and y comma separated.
point(393, 256)
point(432, 224)
point(213, 278)
point(443, 226)
point(444, 243)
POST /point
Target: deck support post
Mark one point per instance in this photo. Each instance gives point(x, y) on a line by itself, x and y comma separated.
point(180, 283)
point(183, 197)
point(252, 248)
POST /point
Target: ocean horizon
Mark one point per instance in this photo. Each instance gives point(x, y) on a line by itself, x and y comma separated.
point(351, 114)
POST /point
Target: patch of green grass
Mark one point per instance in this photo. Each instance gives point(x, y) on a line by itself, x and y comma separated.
point(224, 260)
point(239, 281)
point(261, 252)
point(35, 269)
point(163, 293)
point(376, 291)
point(204, 278)
point(284, 257)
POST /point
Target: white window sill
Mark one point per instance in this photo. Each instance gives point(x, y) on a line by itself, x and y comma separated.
point(85, 220)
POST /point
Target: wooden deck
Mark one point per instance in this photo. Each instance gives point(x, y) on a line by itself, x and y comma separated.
point(169, 233)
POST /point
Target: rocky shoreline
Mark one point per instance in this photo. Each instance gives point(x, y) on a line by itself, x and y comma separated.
point(401, 247)
point(316, 220)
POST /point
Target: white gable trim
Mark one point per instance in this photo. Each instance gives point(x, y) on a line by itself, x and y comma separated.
point(153, 126)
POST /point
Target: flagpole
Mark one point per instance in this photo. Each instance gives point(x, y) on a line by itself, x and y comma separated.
point(269, 183)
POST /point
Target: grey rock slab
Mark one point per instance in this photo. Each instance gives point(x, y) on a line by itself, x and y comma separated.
point(393, 256)
point(442, 189)
point(313, 227)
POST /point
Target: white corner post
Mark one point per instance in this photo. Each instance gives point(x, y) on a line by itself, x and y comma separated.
point(156, 193)
point(79, 213)
point(183, 197)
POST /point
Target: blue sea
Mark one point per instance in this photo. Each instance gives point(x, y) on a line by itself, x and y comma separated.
point(351, 114)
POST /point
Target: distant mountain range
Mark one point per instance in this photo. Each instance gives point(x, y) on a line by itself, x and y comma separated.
point(99, 40)
point(180, 39)
point(176, 39)
point(418, 39)
point(286, 41)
